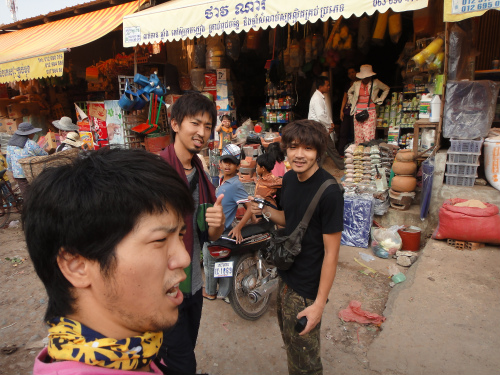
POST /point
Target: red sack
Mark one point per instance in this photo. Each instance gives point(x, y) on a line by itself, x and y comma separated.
point(468, 223)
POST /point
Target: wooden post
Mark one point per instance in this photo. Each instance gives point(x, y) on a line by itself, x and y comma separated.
point(445, 78)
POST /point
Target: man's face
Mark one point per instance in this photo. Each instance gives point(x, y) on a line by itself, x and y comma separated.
point(194, 132)
point(228, 168)
point(141, 293)
point(325, 88)
point(302, 159)
point(351, 73)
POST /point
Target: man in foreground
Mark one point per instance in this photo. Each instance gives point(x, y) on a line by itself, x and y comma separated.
point(318, 112)
point(111, 259)
point(193, 116)
point(303, 289)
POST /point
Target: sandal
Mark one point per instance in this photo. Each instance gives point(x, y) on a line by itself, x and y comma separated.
point(208, 296)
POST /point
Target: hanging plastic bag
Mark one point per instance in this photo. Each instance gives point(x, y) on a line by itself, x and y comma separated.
point(386, 241)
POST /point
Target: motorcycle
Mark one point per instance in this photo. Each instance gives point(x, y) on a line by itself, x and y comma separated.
point(244, 275)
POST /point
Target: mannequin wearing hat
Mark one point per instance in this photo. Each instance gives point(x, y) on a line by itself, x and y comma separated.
point(21, 146)
point(72, 140)
point(360, 99)
point(65, 125)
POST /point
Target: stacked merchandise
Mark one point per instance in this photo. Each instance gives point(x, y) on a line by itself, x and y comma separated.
point(362, 164)
point(463, 160)
point(404, 182)
point(13, 112)
point(211, 85)
point(249, 164)
point(399, 112)
point(225, 99)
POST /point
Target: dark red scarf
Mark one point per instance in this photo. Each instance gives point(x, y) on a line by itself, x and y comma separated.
point(207, 199)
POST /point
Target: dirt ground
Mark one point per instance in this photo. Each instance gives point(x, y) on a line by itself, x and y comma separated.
point(227, 343)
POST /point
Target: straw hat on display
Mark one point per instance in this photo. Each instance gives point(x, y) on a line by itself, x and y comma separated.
point(365, 71)
point(65, 124)
point(25, 128)
point(73, 139)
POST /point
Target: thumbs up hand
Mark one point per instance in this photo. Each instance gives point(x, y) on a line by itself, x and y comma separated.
point(215, 215)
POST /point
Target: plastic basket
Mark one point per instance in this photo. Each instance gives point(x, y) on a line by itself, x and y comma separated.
point(458, 180)
point(462, 169)
point(463, 157)
point(466, 145)
point(156, 143)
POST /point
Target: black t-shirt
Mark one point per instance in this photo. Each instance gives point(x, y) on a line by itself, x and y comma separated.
point(304, 275)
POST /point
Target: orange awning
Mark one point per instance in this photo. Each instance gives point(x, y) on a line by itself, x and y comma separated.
point(17, 46)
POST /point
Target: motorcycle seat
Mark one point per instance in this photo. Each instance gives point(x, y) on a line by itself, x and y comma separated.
point(252, 229)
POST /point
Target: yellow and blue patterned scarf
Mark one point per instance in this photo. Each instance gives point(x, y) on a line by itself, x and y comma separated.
point(70, 340)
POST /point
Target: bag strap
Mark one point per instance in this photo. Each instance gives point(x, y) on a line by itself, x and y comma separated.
point(312, 206)
point(370, 96)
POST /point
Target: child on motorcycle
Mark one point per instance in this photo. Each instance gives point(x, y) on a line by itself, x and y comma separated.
point(233, 191)
point(268, 184)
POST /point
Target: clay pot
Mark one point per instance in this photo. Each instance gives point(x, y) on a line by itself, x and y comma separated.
point(404, 167)
point(405, 155)
point(403, 183)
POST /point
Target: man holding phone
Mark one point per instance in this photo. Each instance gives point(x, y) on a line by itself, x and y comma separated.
point(303, 289)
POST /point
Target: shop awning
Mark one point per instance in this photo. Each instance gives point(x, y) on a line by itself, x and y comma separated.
point(458, 10)
point(38, 51)
point(183, 19)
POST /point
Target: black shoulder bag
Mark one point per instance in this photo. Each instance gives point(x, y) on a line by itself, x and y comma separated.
point(284, 249)
point(363, 115)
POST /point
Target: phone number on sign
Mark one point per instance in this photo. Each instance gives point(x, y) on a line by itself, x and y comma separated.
point(475, 5)
point(381, 3)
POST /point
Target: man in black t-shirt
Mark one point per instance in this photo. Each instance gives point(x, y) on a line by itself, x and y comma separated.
point(304, 288)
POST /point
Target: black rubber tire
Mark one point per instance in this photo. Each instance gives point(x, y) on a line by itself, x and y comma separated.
point(238, 299)
point(19, 204)
point(4, 212)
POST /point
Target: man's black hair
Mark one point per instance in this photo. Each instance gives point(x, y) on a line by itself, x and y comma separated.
point(320, 81)
point(305, 132)
point(189, 105)
point(275, 149)
point(89, 206)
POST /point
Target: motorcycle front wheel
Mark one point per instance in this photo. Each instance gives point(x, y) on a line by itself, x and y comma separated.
point(245, 275)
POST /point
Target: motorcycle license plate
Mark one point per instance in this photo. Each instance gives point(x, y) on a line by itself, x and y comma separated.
point(223, 269)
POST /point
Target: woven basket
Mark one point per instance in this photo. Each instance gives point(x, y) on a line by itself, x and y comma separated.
point(34, 165)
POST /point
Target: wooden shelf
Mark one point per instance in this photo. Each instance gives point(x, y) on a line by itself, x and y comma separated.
point(491, 71)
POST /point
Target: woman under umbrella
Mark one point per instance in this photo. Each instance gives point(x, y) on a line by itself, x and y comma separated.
point(21, 146)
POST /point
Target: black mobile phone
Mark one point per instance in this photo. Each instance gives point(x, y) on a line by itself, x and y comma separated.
point(301, 324)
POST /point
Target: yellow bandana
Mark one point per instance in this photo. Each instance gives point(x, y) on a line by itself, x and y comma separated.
point(70, 340)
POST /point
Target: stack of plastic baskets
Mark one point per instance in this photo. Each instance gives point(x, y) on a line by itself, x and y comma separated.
point(463, 160)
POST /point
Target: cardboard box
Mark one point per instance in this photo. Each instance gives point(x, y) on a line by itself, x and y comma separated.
point(225, 104)
point(49, 142)
point(222, 74)
point(224, 90)
point(22, 109)
point(3, 107)
point(210, 79)
point(8, 125)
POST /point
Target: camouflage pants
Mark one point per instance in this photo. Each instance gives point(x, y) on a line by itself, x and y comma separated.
point(303, 352)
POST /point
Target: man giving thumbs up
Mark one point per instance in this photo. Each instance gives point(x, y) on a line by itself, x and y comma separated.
point(193, 116)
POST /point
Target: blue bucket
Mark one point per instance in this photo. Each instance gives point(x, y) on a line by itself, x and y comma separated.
point(142, 99)
point(128, 100)
point(141, 80)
